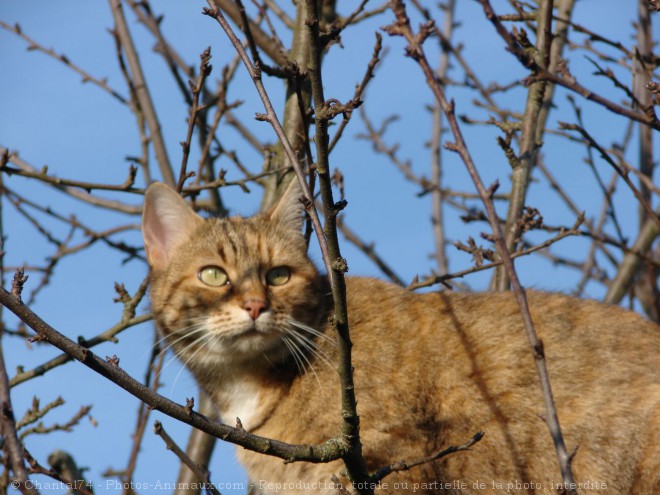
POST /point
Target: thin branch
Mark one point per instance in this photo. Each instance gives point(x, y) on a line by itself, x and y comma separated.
point(369, 250)
point(630, 264)
point(78, 487)
point(194, 112)
point(530, 139)
point(72, 190)
point(271, 117)
point(86, 77)
point(407, 465)
point(199, 471)
point(269, 46)
point(13, 445)
point(199, 449)
point(42, 175)
point(442, 279)
point(649, 118)
point(401, 27)
point(437, 198)
point(359, 91)
point(142, 92)
point(110, 335)
point(151, 380)
point(622, 172)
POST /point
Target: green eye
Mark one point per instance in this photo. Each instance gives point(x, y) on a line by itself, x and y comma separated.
point(278, 276)
point(213, 276)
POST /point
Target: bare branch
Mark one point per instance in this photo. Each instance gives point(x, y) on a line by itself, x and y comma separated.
point(13, 446)
point(271, 117)
point(200, 472)
point(86, 77)
point(407, 465)
point(401, 27)
point(142, 92)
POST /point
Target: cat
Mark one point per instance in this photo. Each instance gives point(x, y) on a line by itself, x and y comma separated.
point(245, 309)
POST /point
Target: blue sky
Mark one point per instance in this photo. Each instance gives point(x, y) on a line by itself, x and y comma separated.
point(80, 132)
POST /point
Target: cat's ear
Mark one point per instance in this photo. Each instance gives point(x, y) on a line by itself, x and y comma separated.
point(289, 210)
point(167, 221)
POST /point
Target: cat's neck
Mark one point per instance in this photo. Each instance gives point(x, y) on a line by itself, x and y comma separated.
point(247, 393)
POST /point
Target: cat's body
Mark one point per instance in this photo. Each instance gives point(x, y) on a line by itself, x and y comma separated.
point(431, 370)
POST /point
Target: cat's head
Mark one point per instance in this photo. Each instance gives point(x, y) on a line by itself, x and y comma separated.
point(229, 290)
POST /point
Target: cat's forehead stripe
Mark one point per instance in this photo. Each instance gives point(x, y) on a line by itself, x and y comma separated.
point(229, 237)
point(221, 252)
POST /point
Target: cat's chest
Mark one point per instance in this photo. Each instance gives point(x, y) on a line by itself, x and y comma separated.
point(241, 401)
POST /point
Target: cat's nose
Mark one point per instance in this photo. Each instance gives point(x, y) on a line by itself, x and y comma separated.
point(255, 307)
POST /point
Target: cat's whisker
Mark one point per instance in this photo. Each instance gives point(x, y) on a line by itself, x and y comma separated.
point(311, 346)
point(311, 330)
point(185, 330)
point(189, 332)
point(294, 347)
point(179, 353)
point(205, 337)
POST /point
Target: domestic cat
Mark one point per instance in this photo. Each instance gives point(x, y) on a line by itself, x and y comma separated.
point(247, 312)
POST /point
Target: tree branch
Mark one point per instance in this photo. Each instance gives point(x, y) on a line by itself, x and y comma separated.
point(401, 27)
point(142, 92)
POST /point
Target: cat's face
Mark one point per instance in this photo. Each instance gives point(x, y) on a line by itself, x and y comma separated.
point(229, 290)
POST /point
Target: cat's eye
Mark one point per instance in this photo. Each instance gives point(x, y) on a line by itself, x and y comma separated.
point(213, 276)
point(278, 276)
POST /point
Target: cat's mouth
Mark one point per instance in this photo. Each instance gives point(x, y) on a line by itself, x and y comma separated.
point(251, 330)
point(248, 332)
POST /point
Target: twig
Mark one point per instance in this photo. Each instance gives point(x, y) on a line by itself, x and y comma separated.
point(77, 486)
point(200, 472)
point(195, 109)
point(271, 117)
point(36, 412)
point(631, 261)
point(86, 77)
point(41, 429)
point(369, 251)
point(74, 191)
point(649, 119)
point(13, 445)
point(126, 186)
point(436, 279)
point(622, 173)
point(262, 40)
point(199, 448)
point(142, 92)
point(530, 138)
point(437, 197)
point(282, 72)
point(175, 62)
point(591, 162)
point(359, 91)
point(65, 466)
point(110, 335)
point(151, 380)
point(407, 465)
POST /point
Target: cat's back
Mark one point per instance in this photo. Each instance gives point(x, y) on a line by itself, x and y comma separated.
point(584, 341)
point(462, 363)
point(490, 323)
